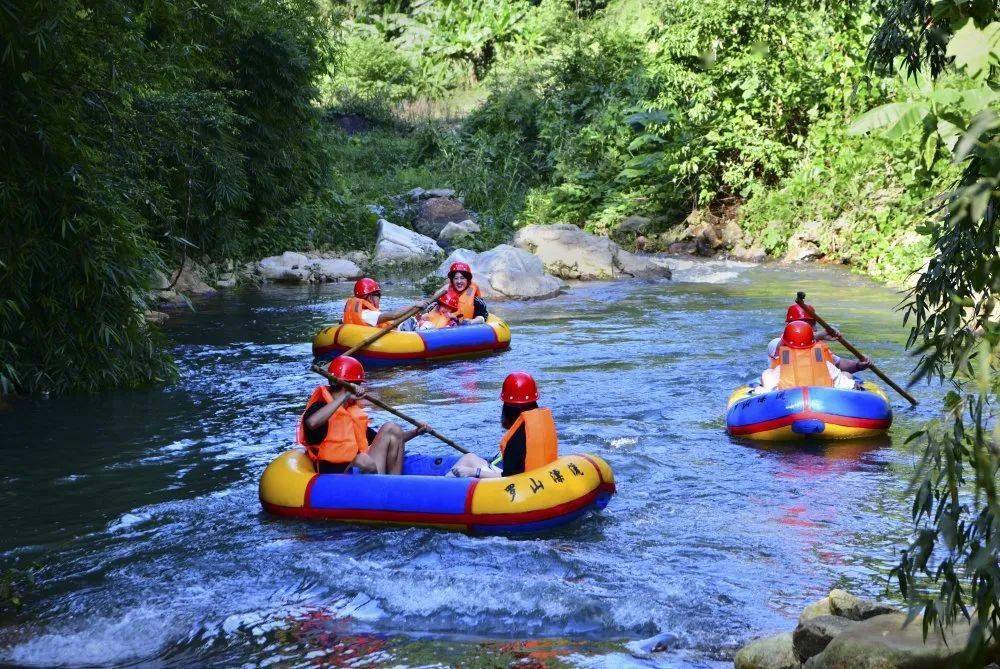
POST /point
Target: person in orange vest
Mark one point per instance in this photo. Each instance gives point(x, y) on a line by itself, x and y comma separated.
point(363, 308)
point(471, 307)
point(797, 312)
point(530, 442)
point(802, 361)
point(443, 315)
point(335, 432)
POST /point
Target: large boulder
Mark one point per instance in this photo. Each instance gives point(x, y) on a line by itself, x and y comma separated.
point(397, 244)
point(570, 253)
point(506, 273)
point(815, 634)
point(886, 642)
point(846, 605)
point(819, 608)
point(635, 225)
point(773, 652)
point(437, 212)
point(292, 267)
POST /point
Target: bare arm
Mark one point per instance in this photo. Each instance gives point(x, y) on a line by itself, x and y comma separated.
point(322, 415)
point(851, 366)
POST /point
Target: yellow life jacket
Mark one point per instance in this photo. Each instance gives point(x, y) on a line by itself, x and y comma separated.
point(804, 366)
point(540, 439)
point(346, 432)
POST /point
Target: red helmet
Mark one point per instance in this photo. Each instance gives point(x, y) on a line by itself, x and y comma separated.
point(365, 287)
point(797, 312)
point(460, 267)
point(450, 300)
point(519, 388)
point(347, 368)
point(798, 334)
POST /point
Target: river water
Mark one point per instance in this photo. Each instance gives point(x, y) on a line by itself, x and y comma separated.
point(142, 506)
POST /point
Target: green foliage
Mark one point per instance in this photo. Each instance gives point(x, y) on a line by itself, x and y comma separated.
point(658, 107)
point(131, 133)
point(951, 567)
point(15, 583)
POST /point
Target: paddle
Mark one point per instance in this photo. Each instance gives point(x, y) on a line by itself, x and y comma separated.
point(800, 299)
point(412, 311)
point(413, 421)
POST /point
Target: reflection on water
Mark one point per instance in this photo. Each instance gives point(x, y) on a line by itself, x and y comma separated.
point(143, 505)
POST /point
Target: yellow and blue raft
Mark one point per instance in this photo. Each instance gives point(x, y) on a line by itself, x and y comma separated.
point(550, 496)
point(402, 347)
point(812, 412)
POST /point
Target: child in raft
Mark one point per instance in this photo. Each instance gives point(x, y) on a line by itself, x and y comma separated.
point(797, 312)
point(530, 441)
point(441, 316)
point(813, 363)
point(335, 432)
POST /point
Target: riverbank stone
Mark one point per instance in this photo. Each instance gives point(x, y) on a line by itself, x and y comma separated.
point(506, 273)
point(398, 244)
point(437, 212)
point(886, 642)
point(188, 280)
point(820, 608)
point(293, 267)
point(815, 634)
point(846, 605)
point(773, 652)
point(568, 252)
point(453, 233)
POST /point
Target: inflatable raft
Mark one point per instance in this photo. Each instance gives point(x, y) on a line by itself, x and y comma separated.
point(808, 413)
point(535, 501)
point(401, 347)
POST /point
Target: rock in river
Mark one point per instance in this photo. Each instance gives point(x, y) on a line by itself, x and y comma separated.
point(506, 273)
point(397, 244)
point(570, 253)
point(773, 652)
point(815, 634)
point(843, 603)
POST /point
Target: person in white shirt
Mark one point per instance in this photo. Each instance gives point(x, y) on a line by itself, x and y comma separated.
point(813, 363)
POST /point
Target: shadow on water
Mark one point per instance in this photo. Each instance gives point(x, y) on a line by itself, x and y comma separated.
point(143, 505)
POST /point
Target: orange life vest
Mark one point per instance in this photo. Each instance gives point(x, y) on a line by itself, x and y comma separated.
point(466, 300)
point(438, 320)
point(540, 440)
point(346, 432)
point(804, 366)
point(352, 312)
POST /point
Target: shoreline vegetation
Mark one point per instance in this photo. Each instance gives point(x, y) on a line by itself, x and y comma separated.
point(140, 139)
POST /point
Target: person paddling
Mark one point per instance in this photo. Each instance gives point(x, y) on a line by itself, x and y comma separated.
point(802, 361)
point(335, 430)
point(471, 306)
point(531, 440)
point(363, 308)
point(797, 313)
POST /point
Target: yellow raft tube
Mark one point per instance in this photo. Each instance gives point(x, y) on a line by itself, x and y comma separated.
point(400, 347)
point(535, 501)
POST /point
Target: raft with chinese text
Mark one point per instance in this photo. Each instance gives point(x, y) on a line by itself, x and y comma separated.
point(535, 501)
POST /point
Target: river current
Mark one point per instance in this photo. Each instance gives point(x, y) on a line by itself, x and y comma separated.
point(142, 506)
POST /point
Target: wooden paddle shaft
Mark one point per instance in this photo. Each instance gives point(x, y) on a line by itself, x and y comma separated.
point(396, 412)
point(393, 325)
point(800, 299)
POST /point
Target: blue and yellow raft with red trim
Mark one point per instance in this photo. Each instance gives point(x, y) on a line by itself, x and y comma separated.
point(811, 412)
point(535, 501)
point(402, 347)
